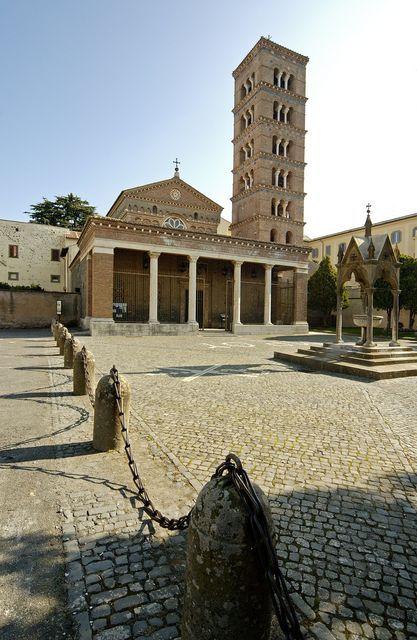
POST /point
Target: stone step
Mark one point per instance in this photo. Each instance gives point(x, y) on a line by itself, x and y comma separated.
point(380, 355)
point(323, 353)
point(380, 348)
point(379, 362)
point(348, 368)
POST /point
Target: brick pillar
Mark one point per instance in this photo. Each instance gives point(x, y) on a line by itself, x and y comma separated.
point(88, 287)
point(102, 283)
point(300, 297)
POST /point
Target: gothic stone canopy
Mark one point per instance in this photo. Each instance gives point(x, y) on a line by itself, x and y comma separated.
point(369, 258)
point(170, 203)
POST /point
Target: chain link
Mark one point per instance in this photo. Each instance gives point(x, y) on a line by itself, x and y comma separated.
point(88, 385)
point(263, 543)
point(173, 524)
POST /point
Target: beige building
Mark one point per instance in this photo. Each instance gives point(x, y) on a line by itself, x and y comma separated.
point(164, 261)
point(36, 254)
point(402, 232)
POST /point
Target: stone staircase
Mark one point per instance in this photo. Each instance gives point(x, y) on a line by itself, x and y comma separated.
point(379, 362)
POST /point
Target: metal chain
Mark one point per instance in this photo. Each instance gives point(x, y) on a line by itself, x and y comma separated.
point(173, 524)
point(88, 386)
point(281, 600)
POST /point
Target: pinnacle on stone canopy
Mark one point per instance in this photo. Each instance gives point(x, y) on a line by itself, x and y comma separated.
point(368, 222)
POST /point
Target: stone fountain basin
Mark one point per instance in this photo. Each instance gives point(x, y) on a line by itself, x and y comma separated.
point(362, 320)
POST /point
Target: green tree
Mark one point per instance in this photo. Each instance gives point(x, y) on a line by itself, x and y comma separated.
point(383, 299)
point(322, 291)
point(408, 287)
point(65, 211)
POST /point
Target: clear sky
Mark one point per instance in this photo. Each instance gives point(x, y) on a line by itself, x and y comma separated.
point(102, 95)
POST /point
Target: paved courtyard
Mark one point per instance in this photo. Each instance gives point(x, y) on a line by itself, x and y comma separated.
point(336, 456)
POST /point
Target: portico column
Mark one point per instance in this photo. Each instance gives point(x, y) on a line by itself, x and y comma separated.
point(370, 319)
point(339, 316)
point(236, 292)
point(153, 287)
point(395, 318)
point(192, 289)
point(267, 294)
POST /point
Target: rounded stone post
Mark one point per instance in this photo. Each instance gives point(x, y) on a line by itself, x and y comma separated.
point(107, 432)
point(61, 342)
point(71, 346)
point(79, 380)
point(57, 329)
point(226, 592)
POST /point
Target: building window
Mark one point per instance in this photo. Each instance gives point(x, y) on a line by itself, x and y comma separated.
point(55, 255)
point(174, 223)
point(288, 237)
point(414, 232)
point(195, 215)
point(342, 246)
point(396, 236)
point(55, 278)
point(154, 209)
point(273, 235)
point(314, 253)
point(13, 275)
point(328, 250)
point(13, 251)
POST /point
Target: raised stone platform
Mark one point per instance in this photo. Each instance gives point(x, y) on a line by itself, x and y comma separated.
point(379, 362)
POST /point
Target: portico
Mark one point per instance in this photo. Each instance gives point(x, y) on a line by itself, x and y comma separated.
point(143, 280)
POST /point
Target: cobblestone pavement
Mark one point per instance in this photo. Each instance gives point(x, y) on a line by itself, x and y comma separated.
point(337, 457)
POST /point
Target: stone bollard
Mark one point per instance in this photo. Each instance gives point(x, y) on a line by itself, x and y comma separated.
point(62, 337)
point(79, 381)
point(61, 329)
point(226, 595)
point(71, 347)
point(107, 432)
point(57, 329)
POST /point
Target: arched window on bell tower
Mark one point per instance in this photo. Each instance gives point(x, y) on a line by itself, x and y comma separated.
point(273, 236)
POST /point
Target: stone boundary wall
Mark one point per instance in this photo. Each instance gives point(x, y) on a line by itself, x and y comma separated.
point(26, 309)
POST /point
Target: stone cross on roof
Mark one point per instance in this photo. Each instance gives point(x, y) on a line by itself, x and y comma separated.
point(368, 222)
point(177, 163)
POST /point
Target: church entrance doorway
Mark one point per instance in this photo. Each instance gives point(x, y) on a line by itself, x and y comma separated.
point(199, 307)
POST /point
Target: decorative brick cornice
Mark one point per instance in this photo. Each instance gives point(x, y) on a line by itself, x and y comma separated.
point(286, 162)
point(96, 224)
point(281, 219)
point(264, 43)
point(276, 124)
point(267, 187)
point(172, 203)
point(262, 85)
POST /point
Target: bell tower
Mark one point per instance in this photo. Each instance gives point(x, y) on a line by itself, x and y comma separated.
point(268, 144)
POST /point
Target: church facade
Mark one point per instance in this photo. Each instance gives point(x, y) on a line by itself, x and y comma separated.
point(157, 262)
